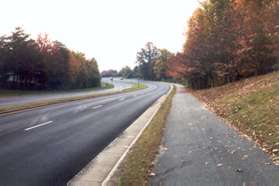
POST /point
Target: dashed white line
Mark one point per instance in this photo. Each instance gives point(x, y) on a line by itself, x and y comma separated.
point(121, 99)
point(96, 107)
point(39, 125)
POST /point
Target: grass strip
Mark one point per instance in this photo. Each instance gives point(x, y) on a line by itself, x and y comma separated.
point(138, 164)
point(16, 108)
point(136, 86)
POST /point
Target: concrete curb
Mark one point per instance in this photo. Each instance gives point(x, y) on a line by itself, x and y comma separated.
point(101, 169)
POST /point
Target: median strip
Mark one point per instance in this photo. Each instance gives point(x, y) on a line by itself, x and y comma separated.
point(10, 109)
point(39, 125)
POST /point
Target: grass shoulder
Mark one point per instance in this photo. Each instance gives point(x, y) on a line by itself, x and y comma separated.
point(136, 86)
point(252, 106)
point(138, 164)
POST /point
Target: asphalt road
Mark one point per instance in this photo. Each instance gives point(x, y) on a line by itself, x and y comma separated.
point(25, 99)
point(49, 145)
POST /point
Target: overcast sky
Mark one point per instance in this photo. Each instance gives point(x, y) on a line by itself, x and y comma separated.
point(112, 31)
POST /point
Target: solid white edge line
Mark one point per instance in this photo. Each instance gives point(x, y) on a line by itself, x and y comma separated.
point(39, 125)
point(96, 107)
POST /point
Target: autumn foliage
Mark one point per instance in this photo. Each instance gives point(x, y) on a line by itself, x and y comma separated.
point(43, 64)
point(152, 63)
point(228, 40)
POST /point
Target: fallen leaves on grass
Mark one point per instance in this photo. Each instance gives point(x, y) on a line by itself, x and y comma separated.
point(250, 105)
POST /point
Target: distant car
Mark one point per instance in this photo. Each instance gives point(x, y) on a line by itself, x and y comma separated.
point(121, 78)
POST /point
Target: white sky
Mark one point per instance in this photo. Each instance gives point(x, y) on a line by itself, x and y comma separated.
point(112, 31)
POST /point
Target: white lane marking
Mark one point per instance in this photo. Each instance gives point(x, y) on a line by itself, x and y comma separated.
point(40, 125)
point(121, 99)
point(96, 107)
point(80, 108)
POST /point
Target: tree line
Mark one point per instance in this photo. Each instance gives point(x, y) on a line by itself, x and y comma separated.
point(151, 64)
point(228, 40)
point(125, 72)
point(26, 63)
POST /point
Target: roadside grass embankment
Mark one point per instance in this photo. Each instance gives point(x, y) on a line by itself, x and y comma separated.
point(15, 108)
point(138, 164)
point(252, 106)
